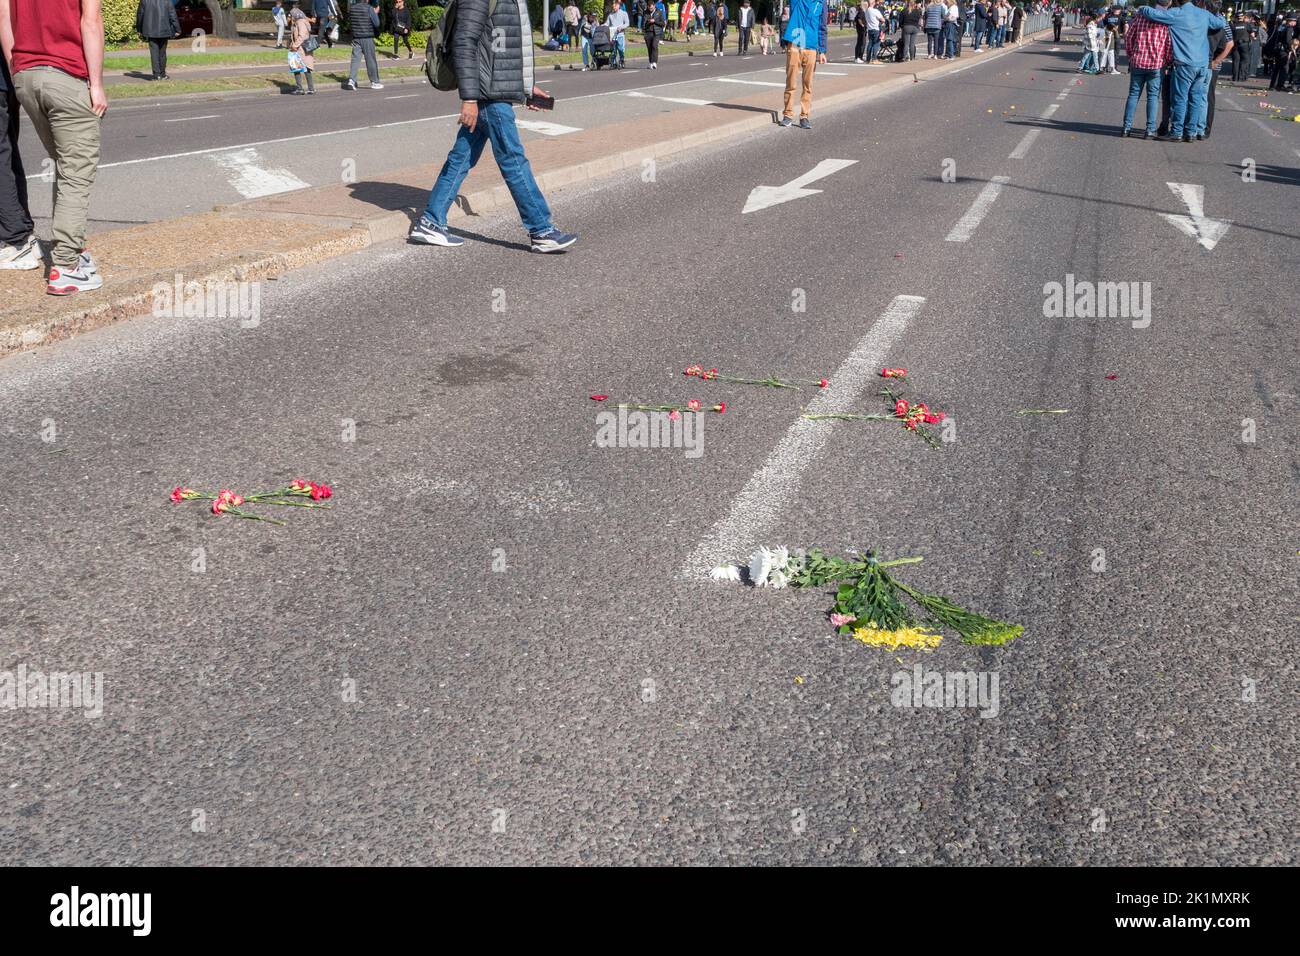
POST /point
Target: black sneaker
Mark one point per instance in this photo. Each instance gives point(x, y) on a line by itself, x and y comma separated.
point(431, 234)
point(805, 124)
point(785, 122)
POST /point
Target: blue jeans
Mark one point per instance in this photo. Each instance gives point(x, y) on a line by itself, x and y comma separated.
point(1188, 90)
point(1138, 80)
point(949, 39)
point(586, 51)
point(977, 34)
point(1200, 102)
point(620, 41)
point(496, 122)
point(1000, 35)
point(873, 44)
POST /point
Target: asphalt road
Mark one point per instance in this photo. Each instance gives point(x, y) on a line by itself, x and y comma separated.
point(1147, 715)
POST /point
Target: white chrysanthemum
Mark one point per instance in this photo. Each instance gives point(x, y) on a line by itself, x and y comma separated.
point(777, 580)
point(764, 561)
point(760, 566)
point(726, 572)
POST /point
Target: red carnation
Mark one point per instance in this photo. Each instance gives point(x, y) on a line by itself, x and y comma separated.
point(720, 407)
point(599, 398)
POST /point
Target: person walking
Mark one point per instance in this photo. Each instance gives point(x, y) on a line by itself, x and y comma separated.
point(910, 24)
point(1107, 39)
point(363, 18)
point(573, 23)
point(18, 246)
point(720, 14)
point(326, 13)
point(744, 24)
point(492, 55)
point(589, 23)
point(156, 21)
point(1058, 21)
point(1149, 54)
point(280, 17)
point(805, 38)
point(765, 35)
point(948, 31)
point(401, 25)
point(1018, 22)
point(652, 26)
point(300, 32)
point(55, 50)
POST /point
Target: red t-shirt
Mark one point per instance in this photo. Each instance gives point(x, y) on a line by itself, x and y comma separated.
point(48, 33)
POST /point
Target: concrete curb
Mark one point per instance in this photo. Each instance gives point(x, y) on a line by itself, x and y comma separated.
point(388, 226)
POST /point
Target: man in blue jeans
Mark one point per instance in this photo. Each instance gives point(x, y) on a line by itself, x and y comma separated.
point(1149, 52)
point(492, 54)
point(1189, 29)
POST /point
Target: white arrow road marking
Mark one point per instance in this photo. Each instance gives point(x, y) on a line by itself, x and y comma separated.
point(545, 128)
point(670, 99)
point(769, 490)
point(763, 196)
point(1026, 141)
point(1196, 226)
point(968, 223)
point(251, 180)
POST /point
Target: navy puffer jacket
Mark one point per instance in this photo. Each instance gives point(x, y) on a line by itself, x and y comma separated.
point(493, 59)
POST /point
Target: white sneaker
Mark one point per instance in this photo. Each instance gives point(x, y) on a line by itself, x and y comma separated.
point(25, 256)
point(376, 86)
point(858, 59)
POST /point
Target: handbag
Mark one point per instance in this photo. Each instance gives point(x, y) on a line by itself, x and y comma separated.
point(311, 44)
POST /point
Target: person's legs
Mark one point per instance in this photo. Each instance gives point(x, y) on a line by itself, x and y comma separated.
point(860, 50)
point(15, 217)
point(372, 62)
point(355, 65)
point(1208, 123)
point(791, 71)
point(911, 42)
point(586, 51)
point(1153, 101)
point(809, 65)
point(463, 157)
point(59, 108)
point(929, 41)
point(1180, 97)
point(1199, 102)
point(162, 56)
point(873, 45)
point(155, 65)
point(1137, 81)
point(510, 157)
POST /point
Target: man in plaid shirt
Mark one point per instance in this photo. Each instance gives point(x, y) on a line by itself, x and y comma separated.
point(1150, 52)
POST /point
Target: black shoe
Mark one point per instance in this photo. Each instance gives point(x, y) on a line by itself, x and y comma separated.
point(1200, 138)
point(1187, 138)
point(1124, 134)
point(1166, 138)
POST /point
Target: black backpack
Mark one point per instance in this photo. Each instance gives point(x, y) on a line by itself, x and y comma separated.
point(437, 52)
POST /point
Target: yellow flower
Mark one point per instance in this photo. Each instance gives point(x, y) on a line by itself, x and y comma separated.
point(917, 638)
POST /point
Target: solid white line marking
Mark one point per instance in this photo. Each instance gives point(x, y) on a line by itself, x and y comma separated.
point(968, 223)
point(190, 119)
point(729, 79)
point(671, 99)
point(769, 490)
point(763, 196)
point(1027, 141)
point(545, 128)
point(251, 180)
point(404, 96)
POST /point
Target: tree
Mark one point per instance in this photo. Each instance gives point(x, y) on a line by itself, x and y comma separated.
point(223, 18)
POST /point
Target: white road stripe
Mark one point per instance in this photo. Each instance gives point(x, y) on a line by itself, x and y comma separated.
point(404, 96)
point(671, 99)
point(545, 128)
point(250, 180)
point(728, 79)
point(968, 223)
point(190, 119)
point(1027, 141)
point(769, 490)
point(1047, 113)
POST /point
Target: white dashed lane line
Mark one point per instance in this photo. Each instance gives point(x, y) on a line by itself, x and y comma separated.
point(968, 223)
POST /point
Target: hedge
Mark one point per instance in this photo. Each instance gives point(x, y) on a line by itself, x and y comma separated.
point(119, 20)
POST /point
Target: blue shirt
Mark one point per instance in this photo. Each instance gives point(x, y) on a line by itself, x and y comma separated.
point(1189, 28)
point(806, 27)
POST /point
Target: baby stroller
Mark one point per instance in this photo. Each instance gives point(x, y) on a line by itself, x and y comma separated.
point(602, 46)
point(888, 48)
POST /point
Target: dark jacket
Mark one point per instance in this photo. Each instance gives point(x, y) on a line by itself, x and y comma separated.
point(156, 19)
point(402, 20)
point(363, 20)
point(483, 73)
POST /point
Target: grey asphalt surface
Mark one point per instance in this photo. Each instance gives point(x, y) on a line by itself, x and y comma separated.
point(522, 690)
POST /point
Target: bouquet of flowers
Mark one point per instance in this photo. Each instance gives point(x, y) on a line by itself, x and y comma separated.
point(227, 502)
point(871, 605)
